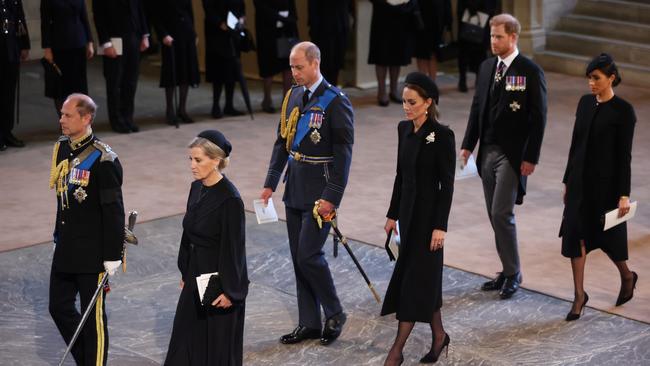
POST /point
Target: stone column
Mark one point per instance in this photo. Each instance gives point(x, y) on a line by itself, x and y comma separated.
point(530, 14)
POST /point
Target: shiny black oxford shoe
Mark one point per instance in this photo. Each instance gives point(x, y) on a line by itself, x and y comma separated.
point(300, 334)
point(333, 328)
point(510, 286)
point(494, 284)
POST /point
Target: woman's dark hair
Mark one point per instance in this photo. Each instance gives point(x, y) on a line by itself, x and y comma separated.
point(604, 63)
point(432, 111)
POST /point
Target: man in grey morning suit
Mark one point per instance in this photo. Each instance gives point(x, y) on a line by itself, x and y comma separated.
point(314, 141)
point(508, 116)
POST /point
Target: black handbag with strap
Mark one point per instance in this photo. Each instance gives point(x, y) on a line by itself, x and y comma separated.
point(470, 32)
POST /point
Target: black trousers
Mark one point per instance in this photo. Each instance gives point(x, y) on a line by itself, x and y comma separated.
point(121, 74)
point(314, 284)
point(8, 79)
point(91, 348)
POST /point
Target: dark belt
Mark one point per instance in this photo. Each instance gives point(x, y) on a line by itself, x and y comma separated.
point(310, 159)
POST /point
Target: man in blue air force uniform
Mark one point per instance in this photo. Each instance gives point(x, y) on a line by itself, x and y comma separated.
point(89, 228)
point(314, 140)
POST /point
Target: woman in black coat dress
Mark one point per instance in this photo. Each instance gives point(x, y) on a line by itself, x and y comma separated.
point(213, 241)
point(180, 66)
point(391, 44)
point(436, 17)
point(421, 201)
point(67, 42)
point(597, 180)
point(274, 19)
point(221, 52)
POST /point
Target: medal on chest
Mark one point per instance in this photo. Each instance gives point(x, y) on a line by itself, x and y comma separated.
point(315, 136)
point(79, 177)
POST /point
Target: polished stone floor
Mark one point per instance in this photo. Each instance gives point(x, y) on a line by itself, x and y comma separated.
point(527, 330)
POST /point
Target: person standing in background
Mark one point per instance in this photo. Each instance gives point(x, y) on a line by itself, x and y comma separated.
point(124, 20)
point(275, 27)
point(14, 48)
point(221, 53)
point(68, 43)
point(329, 29)
point(174, 23)
point(436, 18)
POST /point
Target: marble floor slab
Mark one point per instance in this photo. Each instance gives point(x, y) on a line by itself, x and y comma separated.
point(526, 330)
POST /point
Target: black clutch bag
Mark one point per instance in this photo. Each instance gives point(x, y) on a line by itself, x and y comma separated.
point(213, 290)
point(284, 45)
point(52, 79)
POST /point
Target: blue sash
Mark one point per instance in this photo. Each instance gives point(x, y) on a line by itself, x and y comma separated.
point(303, 123)
point(86, 164)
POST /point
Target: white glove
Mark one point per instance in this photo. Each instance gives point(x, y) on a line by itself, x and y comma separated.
point(111, 266)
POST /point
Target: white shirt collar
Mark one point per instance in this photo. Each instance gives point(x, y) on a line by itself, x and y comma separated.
point(508, 60)
point(315, 86)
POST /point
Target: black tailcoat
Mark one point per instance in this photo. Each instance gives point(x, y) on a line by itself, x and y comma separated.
point(520, 119)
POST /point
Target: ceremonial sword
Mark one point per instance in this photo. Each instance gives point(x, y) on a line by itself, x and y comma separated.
point(129, 238)
point(331, 218)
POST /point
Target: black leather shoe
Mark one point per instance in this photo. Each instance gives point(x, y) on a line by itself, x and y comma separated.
point(13, 141)
point(623, 299)
point(3, 146)
point(120, 128)
point(230, 111)
point(185, 118)
point(394, 98)
point(300, 334)
point(216, 112)
point(510, 286)
point(132, 127)
point(573, 316)
point(383, 102)
point(432, 356)
point(268, 107)
point(333, 328)
point(494, 284)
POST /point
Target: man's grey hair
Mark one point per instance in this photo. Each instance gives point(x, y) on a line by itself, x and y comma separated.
point(84, 105)
point(312, 52)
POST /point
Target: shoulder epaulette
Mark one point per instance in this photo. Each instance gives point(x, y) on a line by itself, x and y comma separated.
point(335, 89)
point(107, 153)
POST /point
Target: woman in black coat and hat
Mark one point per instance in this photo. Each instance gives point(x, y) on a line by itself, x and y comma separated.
point(421, 201)
point(597, 180)
point(180, 66)
point(213, 240)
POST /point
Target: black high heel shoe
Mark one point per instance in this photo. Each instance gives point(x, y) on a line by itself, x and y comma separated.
point(573, 316)
point(394, 98)
point(401, 359)
point(432, 357)
point(622, 300)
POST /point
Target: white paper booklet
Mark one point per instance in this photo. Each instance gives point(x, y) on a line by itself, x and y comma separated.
point(202, 283)
point(612, 219)
point(265, 214)
point(117, 44)
point(464, 171)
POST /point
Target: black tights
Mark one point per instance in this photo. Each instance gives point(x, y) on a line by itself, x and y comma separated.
point(393, 72)
point(404, 330)
point(216, 94)
point(169, 98)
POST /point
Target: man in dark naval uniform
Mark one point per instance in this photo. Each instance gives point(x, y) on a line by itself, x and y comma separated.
point(89, 228)
point(314, 140)
point(14, 48)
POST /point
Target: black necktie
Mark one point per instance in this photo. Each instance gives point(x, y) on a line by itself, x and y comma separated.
point(500, 71)
point(305, 97)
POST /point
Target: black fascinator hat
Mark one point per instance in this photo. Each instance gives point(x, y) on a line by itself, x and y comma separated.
point(605, 63)
point(424, 82)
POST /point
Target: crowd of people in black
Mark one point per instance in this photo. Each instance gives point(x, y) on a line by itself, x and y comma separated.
point(400, 31)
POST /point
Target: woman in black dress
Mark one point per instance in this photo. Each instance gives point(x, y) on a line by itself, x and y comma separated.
point(391, 44)
point(436, 17)
point(222, 64)
point(274, 19)
point(471, 54)
point(68, 43)
point(597, 180)
point(421, 200)
point(213, 241)
point(180, 65)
